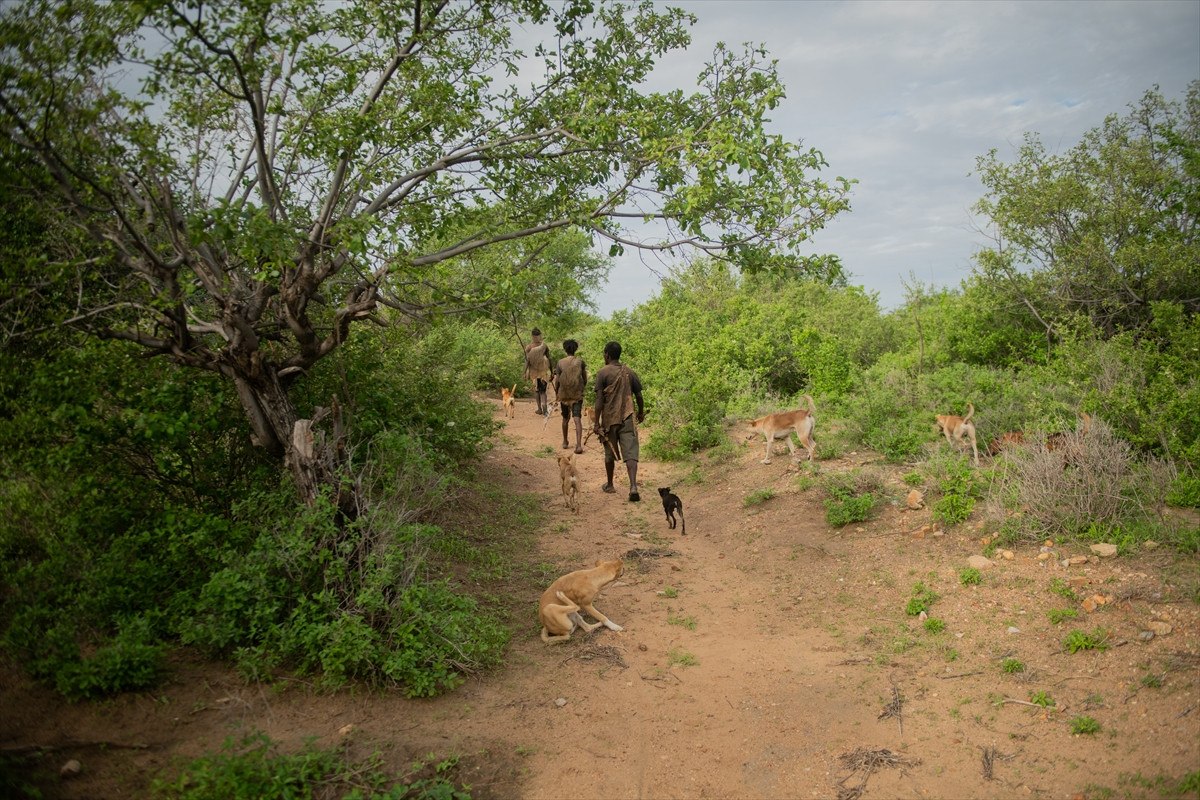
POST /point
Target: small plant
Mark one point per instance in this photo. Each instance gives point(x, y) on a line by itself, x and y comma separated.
point(959, 490)
point(254, 769)
point(1057, 615)
point(1042, 699)
point(922, 598)
point(681, 658)
point(1152, 681)
point(1011, 666)
point(913, 479)
point(969, 576)
point(934, 625)
point(1084, 726)
point(683, 622)
point(845, 503)
point(757, 497)
point(1063, 589)
point(669, 591)
point(1078, 640)
point(950, 654)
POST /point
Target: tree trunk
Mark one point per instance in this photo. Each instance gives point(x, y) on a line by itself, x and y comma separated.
point(315, 461)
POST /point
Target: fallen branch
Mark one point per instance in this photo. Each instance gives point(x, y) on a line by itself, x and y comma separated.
point(71, 745)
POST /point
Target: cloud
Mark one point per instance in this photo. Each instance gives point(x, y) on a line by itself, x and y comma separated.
point(905, 96)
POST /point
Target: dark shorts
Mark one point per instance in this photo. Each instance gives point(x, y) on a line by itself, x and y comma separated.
point(541, 384)
point(625, 438)
point(572, 409)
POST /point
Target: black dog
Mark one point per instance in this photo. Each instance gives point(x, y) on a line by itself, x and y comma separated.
point(671, 504)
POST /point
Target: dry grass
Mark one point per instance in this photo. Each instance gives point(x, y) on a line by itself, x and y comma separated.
point(866, 761)
point(1088, 478)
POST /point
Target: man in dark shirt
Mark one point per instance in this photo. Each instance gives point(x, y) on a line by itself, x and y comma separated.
point(617, 387)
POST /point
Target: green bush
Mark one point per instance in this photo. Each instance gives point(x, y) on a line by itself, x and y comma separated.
point(922, 598)
point(255, 769)
point(1084, 726)
point(959, 488)
point(1078, 640)
point(969, 576)
point(846, 503)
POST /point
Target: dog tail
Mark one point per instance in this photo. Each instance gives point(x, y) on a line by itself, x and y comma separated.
point(811, 408)
point(970, 411)
point(682, 522)
point(1087, 423)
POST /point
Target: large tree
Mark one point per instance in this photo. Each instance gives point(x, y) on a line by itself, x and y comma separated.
point(256, 176)
point(1105, 229)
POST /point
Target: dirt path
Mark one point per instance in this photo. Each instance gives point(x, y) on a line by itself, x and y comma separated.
point(757, 651)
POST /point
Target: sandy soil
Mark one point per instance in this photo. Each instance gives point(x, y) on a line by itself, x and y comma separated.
point(759, 652)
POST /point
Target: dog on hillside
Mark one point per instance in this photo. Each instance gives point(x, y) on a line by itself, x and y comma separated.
point(561, 603)
point(507, 399)
point(671, 504)
point(781, 425)
point(958, 428)
point(1005, 441)
point(569, 476)
point(1056, 441)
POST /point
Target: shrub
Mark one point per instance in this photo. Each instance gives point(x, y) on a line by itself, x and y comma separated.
point(1043, 699)
point(757, 497)
point(922, 598)
point(1063, 589)
point(970, 576)
point(934, 625)
point(1057, 615)
point(1084, 726)
point(959, 488)
point(846, 503)
point(1078, 640)
point(1011, 666)
point(254, 769)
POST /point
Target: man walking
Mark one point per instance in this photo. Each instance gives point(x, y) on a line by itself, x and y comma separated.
point(570, 378)
point(537, 368)
point(617, 387)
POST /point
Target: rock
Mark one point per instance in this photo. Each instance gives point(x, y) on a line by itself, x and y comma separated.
point(1159, 627)
point(915, 500)
point(1146, 636)
point(1089, 605)
point(1048, 543)
point(1008, 555)
point(70, 769)
point(1077, 560)
point(1013, 629)
point(1104, 550)
point(1044, 556)
point(980, 562)
point(1077, 582)
point(922, 616)
point(1149, 544)
point(1064, 563)
point(345, 729)
point(643, 648)
point(1045, 549)
point(560, 702)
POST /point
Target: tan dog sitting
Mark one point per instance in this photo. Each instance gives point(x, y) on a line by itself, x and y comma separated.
point(560, 605)
point(781, 425)
point(507, 399)
point(957, 428)
point(570, 480)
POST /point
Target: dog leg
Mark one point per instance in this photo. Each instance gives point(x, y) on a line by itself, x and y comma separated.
point(791, 447)
point(605, 621)
point(770, 441)
point(578, 621)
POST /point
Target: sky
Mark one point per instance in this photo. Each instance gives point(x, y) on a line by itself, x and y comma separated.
point(904, 96)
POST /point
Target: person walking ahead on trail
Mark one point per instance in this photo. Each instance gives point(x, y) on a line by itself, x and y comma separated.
point(537, 368)
point(617, 386)
point(570, 378)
